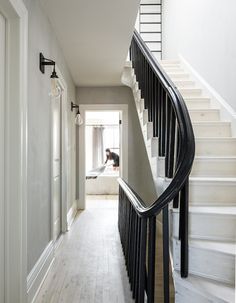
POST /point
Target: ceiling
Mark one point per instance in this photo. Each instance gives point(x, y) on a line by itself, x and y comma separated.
point(94, 36)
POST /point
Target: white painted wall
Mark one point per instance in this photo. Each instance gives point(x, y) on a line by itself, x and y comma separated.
point(203, 32)
point(2, 128)
point(41, 38)
point(139, 173)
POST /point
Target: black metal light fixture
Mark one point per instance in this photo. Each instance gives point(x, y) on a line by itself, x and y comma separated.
point(73, 105)
point(55, 89)
point(78, 118)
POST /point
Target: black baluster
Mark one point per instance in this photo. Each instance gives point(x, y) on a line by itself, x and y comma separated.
point(142, 260)
point(151, 260)
point(184, 208)
point(165, 224)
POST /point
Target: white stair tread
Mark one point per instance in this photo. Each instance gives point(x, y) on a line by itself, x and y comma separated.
point(210, 289)
point(210, 179)
point(224, 247)
point(222, 210)
point(204, 109)
point(196, 98)
point(206, 123)
point(220, 158)
point(219, 140)
point(169, 61)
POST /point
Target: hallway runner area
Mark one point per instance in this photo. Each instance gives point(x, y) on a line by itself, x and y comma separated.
point(89, 265)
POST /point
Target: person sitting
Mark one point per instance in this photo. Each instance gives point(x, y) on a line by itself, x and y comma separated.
point(113, 156)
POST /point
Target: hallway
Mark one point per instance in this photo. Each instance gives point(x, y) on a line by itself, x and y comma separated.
point(89, 265)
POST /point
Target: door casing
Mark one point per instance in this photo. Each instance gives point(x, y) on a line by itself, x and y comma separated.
point(65, 172)
point(15, 156)
point(123, 109)
point(2, 127)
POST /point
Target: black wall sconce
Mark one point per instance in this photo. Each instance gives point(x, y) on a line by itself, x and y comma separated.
point(55, 90)
point(78, 118)
point(44, 62)
point(73, 105)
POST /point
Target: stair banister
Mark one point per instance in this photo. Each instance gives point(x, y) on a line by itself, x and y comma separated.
point(137, 221)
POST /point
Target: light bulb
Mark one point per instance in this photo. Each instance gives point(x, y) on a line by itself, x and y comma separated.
point(55, 88)
point(78, 119)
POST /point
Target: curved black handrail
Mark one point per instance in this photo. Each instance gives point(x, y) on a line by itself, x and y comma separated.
point(187, 142)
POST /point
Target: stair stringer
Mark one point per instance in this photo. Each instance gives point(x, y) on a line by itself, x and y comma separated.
point(151, 143)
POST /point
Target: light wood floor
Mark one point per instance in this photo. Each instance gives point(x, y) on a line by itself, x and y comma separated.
point(89, 264)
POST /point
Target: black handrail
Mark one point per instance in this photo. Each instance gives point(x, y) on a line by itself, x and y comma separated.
point(187, 146)
point(172, 125)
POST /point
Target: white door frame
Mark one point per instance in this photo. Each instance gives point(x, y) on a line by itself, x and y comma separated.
point(15, 202)
point(2, 134)
point(124, 144)
point(64, 158)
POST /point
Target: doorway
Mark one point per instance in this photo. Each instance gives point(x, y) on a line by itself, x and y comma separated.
point(105, 127)
point(2, 127)
point(102, 154)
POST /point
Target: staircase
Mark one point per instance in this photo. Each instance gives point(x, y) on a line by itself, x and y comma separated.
point(150, 25)
point(212, 193)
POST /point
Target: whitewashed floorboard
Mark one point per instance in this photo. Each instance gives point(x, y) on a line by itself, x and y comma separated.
point(89, 265)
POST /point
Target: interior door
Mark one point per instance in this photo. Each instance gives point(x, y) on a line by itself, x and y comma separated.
point(56, 169)
point(2, 123)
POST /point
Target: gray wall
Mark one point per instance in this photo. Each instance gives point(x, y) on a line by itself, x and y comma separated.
point(204, 32)
point(41, 38)
point(139, 173)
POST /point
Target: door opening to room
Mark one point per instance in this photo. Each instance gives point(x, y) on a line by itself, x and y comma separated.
point(102, 143)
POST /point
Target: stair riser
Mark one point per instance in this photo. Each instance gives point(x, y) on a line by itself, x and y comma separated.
point(169, 70)
point(144, 114)
point(179, 76)
point(208, 226)
point(215, 147)
point(148, 130)
point(152, 144)
point(214, 168)
point(190, 92)
point(211, 264)
point(205, 168)
point(205, 116)
point(170, 65)
point(208, 193)
point(184, 83)
point(201, 104)
point(213, 131)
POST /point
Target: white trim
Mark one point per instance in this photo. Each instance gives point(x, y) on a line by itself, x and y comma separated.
point(16, 150)
point(71, 215)
point(2, 151)
point(124, 160)
point(64, 158)
point(65, 151)
point(226, 111)
point(39, 272)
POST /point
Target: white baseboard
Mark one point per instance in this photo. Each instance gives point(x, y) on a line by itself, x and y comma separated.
point(39, 272)
point(81, 204)
point(71, 214)
point(226, 111)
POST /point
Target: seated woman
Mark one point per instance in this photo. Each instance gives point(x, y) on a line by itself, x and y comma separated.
point(113, 156)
